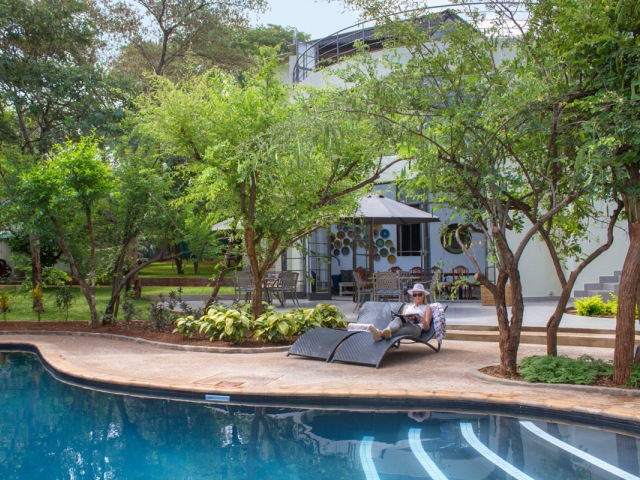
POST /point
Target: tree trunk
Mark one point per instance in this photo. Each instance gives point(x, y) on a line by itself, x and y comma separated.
point(625, 319)
point(36, 269)
point(554, 321)
point(86, 290)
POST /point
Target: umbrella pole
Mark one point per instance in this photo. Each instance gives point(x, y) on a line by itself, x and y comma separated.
point(371, 249)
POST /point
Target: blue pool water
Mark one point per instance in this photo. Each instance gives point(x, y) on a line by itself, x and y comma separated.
point(50, 430)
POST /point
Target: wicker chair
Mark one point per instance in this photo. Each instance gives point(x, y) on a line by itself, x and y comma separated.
point(417, 274)
point(362, 290)
point(387, 285)
point(242, 284)
point(287, 284)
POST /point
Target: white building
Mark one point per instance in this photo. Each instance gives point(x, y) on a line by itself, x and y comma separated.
point(315, 64)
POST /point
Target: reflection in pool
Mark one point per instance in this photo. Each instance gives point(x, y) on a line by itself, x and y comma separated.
point(50, 430)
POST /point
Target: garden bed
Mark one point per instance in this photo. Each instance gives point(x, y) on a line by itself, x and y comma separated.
point(137, 329)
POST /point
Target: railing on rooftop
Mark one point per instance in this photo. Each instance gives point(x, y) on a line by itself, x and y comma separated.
point(335, 47)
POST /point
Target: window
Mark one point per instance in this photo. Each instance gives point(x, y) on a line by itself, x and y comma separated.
point(410, 239)
point(450, 242)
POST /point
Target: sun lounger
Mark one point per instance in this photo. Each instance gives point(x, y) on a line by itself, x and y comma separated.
point(358, 346)
point(321, 343)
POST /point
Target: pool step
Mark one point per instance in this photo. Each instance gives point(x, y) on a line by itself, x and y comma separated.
point(574, 337)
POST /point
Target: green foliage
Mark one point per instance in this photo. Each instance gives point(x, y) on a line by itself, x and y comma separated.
point(547, 369)
point(37, 295)
point(55, 276)
point(64, 299)
point(328, 316)
point(595, 306)
point(161, 313)
point(634, 378)
point(129, 307)
point(221, 323)
point(5, 303)
point(233, 323)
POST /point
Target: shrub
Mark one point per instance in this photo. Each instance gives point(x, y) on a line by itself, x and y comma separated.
point(225, 324)
point(590, 307)
point(64, 300)
point(547, 369)
point(4, 304)
point(276, 327)
point(634, 378)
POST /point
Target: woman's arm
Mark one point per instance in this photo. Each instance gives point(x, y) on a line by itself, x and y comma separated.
point(426, 321)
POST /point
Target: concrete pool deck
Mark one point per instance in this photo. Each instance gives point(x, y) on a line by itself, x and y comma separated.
point(412, 375)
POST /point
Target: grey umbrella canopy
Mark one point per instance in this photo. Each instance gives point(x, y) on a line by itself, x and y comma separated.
point(380, 209)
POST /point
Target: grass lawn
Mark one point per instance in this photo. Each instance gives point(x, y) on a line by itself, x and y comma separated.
point(20, 305)
point(185, 290)
point(168, 269)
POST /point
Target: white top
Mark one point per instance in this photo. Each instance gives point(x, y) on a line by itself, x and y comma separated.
point(413, 309)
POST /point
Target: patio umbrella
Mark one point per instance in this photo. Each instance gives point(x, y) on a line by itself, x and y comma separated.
point(380, 209)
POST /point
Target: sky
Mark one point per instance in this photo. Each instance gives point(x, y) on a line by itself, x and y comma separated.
point(318, 18)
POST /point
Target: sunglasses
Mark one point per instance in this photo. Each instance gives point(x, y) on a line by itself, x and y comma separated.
point(418, 294)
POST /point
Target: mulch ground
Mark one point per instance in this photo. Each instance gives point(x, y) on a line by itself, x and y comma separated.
point(139, 329)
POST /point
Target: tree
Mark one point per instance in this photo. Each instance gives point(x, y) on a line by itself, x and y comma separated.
point(166, 35)
point(280, 168)
point(469, 105)
point(68, 188)
point(50, 89)
point(597, 42)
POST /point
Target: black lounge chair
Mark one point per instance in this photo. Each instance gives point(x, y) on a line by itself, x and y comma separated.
point(321, 343)
point(358, 346)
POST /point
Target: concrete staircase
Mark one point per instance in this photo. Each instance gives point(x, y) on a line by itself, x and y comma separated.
point(608, 284)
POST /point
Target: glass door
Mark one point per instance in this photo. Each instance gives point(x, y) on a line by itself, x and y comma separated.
point(318, 265)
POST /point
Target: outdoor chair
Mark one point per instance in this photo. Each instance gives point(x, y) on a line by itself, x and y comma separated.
point(242, 284)
point(387, 285)
point(395, 269)
point(287, 284)
point(358, 346)
point(417, 274)
point(362, 291)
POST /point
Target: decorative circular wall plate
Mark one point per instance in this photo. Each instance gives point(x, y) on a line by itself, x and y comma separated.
point(376, 257)
point(345, 250)
point(341, 235)
point(385, 233)
point(392, 249)
point(388, 243)
point(377, 227)
point(384, 252)
point(391, 259)
point(346, 242)
point(336, 252)
point(337, 243)
point(380, 242)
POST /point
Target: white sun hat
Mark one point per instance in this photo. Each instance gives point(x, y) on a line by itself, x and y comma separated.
point(418, 287)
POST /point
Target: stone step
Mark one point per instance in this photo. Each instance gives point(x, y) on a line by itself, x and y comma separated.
point(602, 340)
point(605, 294)
point(610, 279)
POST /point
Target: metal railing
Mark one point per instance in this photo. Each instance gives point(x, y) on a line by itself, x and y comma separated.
point(331, 49)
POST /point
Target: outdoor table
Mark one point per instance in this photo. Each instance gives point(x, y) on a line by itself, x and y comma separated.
point(270, 281)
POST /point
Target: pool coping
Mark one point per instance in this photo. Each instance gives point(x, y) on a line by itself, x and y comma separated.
point(536, 405)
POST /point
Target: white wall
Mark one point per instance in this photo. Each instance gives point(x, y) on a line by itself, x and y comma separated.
point(5, 253)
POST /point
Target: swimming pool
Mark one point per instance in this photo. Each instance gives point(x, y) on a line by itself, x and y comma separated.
point(51, 430)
